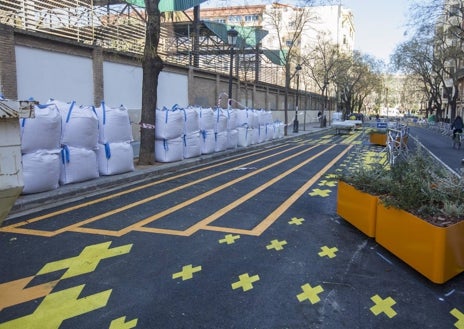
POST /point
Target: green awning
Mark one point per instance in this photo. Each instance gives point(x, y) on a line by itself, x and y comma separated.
point(275, 56)
point(169, 5)
point(248, 37)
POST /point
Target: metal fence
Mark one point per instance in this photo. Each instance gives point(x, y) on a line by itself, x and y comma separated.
point(120, 26)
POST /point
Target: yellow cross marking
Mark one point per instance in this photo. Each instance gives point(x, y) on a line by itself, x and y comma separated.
point(310, 293)
point(87, 261)
point(120, 323)
point(330, 183)
point(319, 192)
point(383, 305)
point(229, 239)
point(59, 306)
point(329, 252)
point(187, 272)
point(276, 244)
point(460, 316)
point(331, 176)
point(245, 282)
point(296, 221)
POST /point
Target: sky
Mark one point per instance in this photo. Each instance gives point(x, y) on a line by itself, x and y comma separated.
point(379, 25)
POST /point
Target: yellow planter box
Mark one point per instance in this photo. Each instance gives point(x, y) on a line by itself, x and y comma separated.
point(378, 138)
point(435, 252)
point(357, 208)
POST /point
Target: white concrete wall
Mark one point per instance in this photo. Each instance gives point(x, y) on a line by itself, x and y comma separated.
point(44, 74)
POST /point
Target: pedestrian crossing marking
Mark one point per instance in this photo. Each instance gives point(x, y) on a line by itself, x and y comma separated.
point(245, 282)
point(187, 272)
point(310, 293)
point(383, 306)
point(329, 252)
point(87, 261)
point(276, 244)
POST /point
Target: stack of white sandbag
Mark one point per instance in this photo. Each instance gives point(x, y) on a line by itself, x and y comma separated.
point(115, 154)
point(232, 132)
point(207, 123)
point(265, 125)
point(221, 135)
point(246, 122)
point(79, 142)
point(40, 148)
point(192, 137)
point(169, 130)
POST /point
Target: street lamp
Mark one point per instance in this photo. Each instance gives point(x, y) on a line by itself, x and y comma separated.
point(295, 122)
point(232, 41)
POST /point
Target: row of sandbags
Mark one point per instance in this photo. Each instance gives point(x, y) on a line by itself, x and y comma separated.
point(187, 133)
point(66, 143)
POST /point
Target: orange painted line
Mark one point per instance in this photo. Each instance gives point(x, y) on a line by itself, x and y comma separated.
point(228, 230)
point(115, 195)
point(26, 231)
point(96, 231)
point(221, 212)
point(160, 231)
point(208, 193)
point(271, 218)
point(14, 292)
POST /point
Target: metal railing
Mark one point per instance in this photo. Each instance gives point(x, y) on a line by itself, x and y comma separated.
point(121, 27)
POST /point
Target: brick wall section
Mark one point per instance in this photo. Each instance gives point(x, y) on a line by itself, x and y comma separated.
point(8, 82)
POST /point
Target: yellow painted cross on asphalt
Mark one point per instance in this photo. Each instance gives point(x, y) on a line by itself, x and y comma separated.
point(276, 244)
point(187, 272)
point(310, 293)
point(329, 252)
point(319, 192)
point(229, 239)
point(245, 282)
point(296, 221)
point(383, 306)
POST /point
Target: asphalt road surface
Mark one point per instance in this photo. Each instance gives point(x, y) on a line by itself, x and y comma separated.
point(248, 241)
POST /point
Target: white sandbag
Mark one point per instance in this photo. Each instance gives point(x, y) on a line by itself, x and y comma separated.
point(192, 145)
point(205, 118)
point(279, 131)
point(191, 124)
point(114, 124)
point(220, 120)
point(244, 136)
point(232, 139)
point(42, 132)
point(247, 117)
point(261, 133)
point(208, 141)
point(269, 131)
point(79, 125)
point(264, 117)
point(254, 136)
point(169, 123)
point(78, 165)
point(220, 141)
point(169, 150)
point(115, 158)
point(231, 119)
point(41, 171)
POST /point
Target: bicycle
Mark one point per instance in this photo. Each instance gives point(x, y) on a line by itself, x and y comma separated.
point(457, 140)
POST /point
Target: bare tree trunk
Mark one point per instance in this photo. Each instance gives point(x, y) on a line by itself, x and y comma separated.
point(152, 66)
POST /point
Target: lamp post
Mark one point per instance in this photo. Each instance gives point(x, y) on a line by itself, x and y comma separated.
point(232, 41)
point(295, 122)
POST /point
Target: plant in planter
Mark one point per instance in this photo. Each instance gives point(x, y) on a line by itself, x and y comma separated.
point(419, 213)
point(358, 189)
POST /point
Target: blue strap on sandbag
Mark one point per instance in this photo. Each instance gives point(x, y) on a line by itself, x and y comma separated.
point(107, 150)
point(65, 156)
point(104, 112)
point(70, 110)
